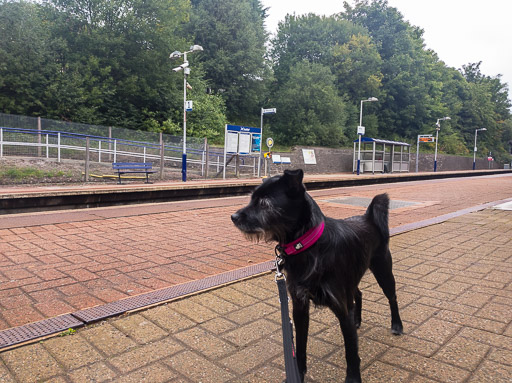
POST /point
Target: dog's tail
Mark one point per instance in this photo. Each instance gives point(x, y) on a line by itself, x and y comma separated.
point(377, 213)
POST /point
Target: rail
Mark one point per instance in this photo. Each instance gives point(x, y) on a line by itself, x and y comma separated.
point(67, 145)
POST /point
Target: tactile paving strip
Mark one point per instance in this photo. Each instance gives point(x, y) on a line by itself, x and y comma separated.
point(133, 303)
point(365, 202)
point(39, 329)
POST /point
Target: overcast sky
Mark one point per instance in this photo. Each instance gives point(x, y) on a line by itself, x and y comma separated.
point(459, 31)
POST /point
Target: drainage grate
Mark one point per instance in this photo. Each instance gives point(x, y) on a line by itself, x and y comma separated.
point(365, 202)
point(133, 303)
point(36, 330)
point(32, 331)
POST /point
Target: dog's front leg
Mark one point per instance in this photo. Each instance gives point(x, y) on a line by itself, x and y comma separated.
point(301, 321)
point(349, 331)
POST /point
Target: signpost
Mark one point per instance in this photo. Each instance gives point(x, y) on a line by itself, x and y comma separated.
point(422, 138)
point(264, 111)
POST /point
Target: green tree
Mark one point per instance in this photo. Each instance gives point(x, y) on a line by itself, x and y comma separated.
point(108, 61)
point(27, 61)
point(356, 65)
point(485, 104)
point(343, 47)
point(233, 36)
point(310, 38)
point(310, 112)
point(207, 119)
point(410, 85)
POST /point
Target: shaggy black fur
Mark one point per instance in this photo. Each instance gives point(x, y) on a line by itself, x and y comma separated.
point(329, 272)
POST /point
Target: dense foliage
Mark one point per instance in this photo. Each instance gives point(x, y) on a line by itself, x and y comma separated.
point(107, 62)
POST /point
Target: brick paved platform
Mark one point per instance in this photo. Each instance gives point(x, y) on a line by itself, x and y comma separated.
point(454, 290)
point(53, 263)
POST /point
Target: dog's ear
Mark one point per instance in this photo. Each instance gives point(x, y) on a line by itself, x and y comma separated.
point(293, 179)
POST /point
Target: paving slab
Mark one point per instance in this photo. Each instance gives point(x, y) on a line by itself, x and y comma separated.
point(455, 301)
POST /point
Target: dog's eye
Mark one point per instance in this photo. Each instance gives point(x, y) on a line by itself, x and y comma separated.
point(265, 203)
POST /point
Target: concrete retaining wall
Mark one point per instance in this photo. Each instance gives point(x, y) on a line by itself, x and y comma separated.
point(330, 160)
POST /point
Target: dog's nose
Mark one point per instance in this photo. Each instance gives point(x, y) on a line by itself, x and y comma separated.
point(235, 217)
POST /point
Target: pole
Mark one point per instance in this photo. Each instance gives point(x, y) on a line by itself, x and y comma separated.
point(474, 151)
point(58, 147)
point(109, 143)
point(87, 148)
point(207, 157)
point(225, 151)
point(261, 143)
point(359, 145)
point(435, 154)
point(162, 156)
point(184, 157)
point(39, 136)
point(417, 152)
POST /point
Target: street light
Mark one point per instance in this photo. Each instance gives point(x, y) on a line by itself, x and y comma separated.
point(474, 150)
point(360, 131)
point(438, 127)
point(186, 71)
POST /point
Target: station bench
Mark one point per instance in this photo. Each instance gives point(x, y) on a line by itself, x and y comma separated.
point(133, 167)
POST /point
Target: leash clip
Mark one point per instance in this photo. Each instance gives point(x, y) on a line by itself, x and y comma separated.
point(279, 262)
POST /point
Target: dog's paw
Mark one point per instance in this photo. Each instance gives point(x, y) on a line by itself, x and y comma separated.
point(397, 329)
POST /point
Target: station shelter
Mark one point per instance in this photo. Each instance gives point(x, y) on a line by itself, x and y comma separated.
point(382, 156)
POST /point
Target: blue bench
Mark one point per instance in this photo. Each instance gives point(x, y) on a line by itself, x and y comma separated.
point(133, 167)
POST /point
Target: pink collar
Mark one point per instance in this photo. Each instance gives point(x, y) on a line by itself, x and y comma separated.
point(304, 242)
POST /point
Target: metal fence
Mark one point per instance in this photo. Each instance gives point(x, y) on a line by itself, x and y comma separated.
point(43, 138)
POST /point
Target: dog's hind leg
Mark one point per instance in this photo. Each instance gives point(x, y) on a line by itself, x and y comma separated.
point(381, 267)
point(358, 298)
point(301, 321)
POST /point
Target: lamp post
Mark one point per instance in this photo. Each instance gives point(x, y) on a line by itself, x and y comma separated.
point(360, 131)
point(186, 71)
point(438, 127)
point(474, 150)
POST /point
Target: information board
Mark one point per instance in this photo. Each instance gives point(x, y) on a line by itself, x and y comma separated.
point(248, 139)
point(244, 143)
point(232, 142)
point(309, 156)
point(241, 140)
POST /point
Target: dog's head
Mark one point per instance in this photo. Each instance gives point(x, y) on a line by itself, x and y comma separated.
point(277, 207)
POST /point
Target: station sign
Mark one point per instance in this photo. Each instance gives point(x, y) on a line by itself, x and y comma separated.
point(242, 139)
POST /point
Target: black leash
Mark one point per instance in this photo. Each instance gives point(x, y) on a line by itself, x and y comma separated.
point(290, 360)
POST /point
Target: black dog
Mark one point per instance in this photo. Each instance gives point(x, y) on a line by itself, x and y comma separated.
point(324, 259)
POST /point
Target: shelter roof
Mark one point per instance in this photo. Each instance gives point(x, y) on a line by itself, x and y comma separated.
point(380, 141)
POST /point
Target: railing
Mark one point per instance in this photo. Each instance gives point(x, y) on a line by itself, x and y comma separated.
point(57, 145)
